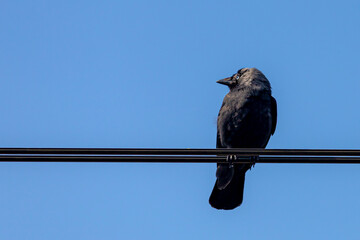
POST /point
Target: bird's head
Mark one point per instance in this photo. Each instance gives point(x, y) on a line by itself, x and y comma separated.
point(246, 77)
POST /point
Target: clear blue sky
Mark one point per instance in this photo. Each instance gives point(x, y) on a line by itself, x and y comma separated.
point(142, 74)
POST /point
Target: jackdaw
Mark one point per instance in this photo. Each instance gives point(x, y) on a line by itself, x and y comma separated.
point(246, 119)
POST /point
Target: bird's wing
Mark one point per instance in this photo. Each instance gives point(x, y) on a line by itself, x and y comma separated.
point(273, 115)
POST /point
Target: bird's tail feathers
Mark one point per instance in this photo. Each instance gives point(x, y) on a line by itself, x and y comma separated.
point(224, 174)
point(231, 196)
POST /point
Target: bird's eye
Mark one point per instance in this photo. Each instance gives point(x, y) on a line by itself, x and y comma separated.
point(237, 77)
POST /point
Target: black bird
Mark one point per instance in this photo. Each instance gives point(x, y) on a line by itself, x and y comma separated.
point(247, 119)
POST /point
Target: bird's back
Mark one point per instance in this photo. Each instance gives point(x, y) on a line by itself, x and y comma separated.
point(244, 120)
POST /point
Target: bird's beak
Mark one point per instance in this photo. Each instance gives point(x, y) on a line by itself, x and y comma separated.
point(225, 81)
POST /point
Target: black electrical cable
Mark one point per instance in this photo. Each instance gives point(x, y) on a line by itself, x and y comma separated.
point(51, 157)
point(186, 151)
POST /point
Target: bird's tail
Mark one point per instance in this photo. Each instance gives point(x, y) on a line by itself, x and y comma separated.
point(231, 196)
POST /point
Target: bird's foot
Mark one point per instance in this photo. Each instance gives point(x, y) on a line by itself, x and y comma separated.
point(253, 160)
point(231, 159)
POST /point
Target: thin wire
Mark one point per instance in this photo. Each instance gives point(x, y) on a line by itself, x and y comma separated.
point(187, 151)
point(148, 155)
point(176, 159)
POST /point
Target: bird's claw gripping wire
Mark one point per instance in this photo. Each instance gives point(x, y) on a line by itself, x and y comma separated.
point(231, 159)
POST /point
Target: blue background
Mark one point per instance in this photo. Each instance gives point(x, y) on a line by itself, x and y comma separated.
point(142, 74)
